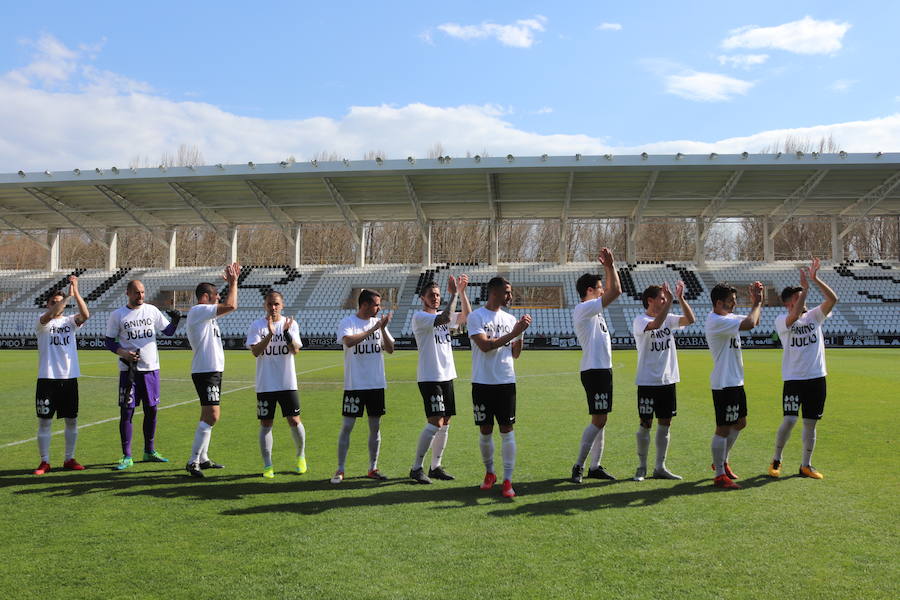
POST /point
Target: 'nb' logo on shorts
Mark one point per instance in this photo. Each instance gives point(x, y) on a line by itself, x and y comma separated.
point(480, 411)
point(792, 403)
point(437, 403)
point(262, 408)
point(212, 393)
point(43, 406)
point(601, 401)
point(351, 405)
point(731, 412)
point(645, 406)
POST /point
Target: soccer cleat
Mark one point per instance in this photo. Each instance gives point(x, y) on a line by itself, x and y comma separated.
point(73, 465)
point(194, 470)
point(376, 475)
point(725, 482)
point(664, 473)
point(154, 456)
point(338, 477)
point(577, 472)
point(600, 473)
point(810, 471)
point(730, 473)
point(640, 473)
point(418, 475)
point(44, 467)
point(124, 463)
point(775, 468)
point(269, 472)
point(301, 465)
point(208, 464)
point(438, 472)
point(508, 491)
point(489, 480)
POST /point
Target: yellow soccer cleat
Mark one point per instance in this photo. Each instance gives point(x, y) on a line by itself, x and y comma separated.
point(775, 469)
point(301, 465)
point(269, 473)
point(810, 471)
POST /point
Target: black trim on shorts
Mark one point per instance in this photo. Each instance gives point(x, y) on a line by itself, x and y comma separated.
point(658, 400)
point(807, 395)
point(289, 400)
point(438, 398)
point(490, 402)
point(598, 389)
point(355, 402)
point(730, 405)
point(59, 396)
point(208, 387)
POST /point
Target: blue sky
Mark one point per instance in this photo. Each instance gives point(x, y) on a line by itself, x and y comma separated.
point(100, 83)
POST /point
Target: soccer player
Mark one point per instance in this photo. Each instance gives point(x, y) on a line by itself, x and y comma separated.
point(208, 362)
point(496, 343)
point(365, 337)
point(58, 372)
point(802, 365)
point(657, 372)
point(436, 371)
point(274, 340)
point(596, 361)
point(131, 334)
point(727, 378)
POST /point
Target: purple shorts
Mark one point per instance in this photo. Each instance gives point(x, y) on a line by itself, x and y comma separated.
point(145, 389)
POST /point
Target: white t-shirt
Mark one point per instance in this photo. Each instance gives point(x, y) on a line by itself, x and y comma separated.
point(657, 362)
point(435, 349)
point(205, 338)
point(57, 351)
point(495, 367)
point(593, 335)
point(275, 370)
point(135, 329)
point(804, 348)
point(724, 340)
point(364, 362)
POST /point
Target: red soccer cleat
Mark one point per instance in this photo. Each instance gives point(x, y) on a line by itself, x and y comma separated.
point(728, 471)
point(44, 467)
point(489, 480)
point(724, 482)
point(508, 491)
point(73, 465)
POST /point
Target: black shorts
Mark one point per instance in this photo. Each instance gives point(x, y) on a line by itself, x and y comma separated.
point(598, 387)
point(656, 400)
point(730, 405)
point(438, 397)
point(491, 402)
point(266, 401)
point(208, 386)
point(58, 396)
point(357, 401)
point(808, 394)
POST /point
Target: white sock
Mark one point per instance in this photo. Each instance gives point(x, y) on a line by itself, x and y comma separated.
point(71, 437)
point(43, 438)
point(732, 438)
point(643, 445)
point(662, 445)
point(783, 435)
point(374, 441)
point(486, 443)
point(425, 439)
point(299, 433)
point(344, 441)
point(508, 451)
point(597, 448)
point(438, 444)
point(201, 439)
point(719, 451)
point(587, 441)
point(809, 440)
point(265, 445)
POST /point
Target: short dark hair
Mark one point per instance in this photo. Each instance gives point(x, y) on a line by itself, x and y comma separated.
point(56, 292)
point(428, 286)
point(131, 283)
point(652, 291)
point(588, 280)
point(721, 291)
point(274, 293)
point(497, 283)
point(789, 291)
point(205, 288)
point(367, 297)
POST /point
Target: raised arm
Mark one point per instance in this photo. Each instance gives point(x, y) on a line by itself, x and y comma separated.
point(444, 317)
point(688, 317)
point(387, 340)
point(797, 308)
point(259, 347)
point(828, 293)
point(54, 309)
point(462, 283)
point(486, 344)
point(232, 272)
point(756, 295)
point(613, 287)
point(658, 321)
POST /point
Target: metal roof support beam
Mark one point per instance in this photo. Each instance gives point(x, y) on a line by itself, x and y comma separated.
point(172, 234)
point(296, 245)
point(837, 244)
point(638, 211)
point(112, 254)
point(6, 221)
point(564, 221)
point(792, 203)
point(417, 206)
point(867, 202)
point(279, 217)
point(140, 216)
point(77, 221)
point(350, 218)
point(715, 205)
point(494, 223)
point(53, 258)
point(207, 215)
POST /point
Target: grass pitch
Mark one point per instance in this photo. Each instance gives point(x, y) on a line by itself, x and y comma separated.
point(153, 532)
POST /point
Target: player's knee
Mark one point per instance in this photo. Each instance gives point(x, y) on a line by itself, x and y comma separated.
point(598, 421)
point(664, 422)
point(486, 429)
point(647, 424)
point(506, 428)
point(266, 423)
point(741, 423)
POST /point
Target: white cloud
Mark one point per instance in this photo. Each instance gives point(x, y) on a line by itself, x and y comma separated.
point(706, 87)
point(743, 61)
point(842, 85)
point(609, 27)
point(517, 35)
point(806, 36)
point(544, 110)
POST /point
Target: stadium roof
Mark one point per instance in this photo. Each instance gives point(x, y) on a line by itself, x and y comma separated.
point(606, 186)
